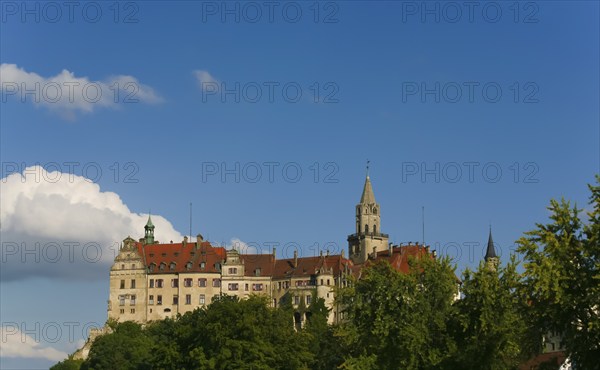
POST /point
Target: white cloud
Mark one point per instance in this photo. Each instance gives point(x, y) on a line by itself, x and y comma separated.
point(66, 227)
point(246, 248)
point(69, 95)
point(18, 344)
point(206, 81)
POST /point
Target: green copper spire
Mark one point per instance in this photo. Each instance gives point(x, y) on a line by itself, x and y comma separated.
point(149, 228)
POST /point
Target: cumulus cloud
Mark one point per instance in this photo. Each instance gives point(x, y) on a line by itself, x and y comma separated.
point(69, 95)
point(65, 228)
point(18, 344)
point(206, 81)
point(246, 248)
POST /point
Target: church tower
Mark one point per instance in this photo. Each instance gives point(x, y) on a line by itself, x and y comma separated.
point(367, 238)
point(491, 258)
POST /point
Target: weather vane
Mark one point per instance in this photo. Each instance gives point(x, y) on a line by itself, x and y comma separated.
point(368, 161)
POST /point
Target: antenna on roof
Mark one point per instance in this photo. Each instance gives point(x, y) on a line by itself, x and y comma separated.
point(423, 216)
point(190, 220)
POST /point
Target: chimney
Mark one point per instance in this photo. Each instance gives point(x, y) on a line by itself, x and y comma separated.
point(391, 246)
point(343, 253)
point(434, 253)
point(296, 258)
point(273, 252)
point(321, 254)
point(185, 240)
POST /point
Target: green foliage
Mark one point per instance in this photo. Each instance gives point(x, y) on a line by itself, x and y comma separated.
point(562, 277)
point(68, 364)
point(400, 320)
point(228, 334)
point(491, 324)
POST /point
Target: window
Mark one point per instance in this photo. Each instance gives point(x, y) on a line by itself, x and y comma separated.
point(202, 299)
point(202, 265)
point(257, 287)
point(159, 300)
point(374, 229)
point(172, 266)
point(327, 281)
point(187, 283)
point(133, 310)
point(175, 299)
point(233, 286)
point(279, 285)
point(366, 229)
point(233, 270)
point(174, 283)
point(257, 271)
point(121, 300)
point(321, 281)
point(151, 299)
point(246, 287)
point(122, 284)
point(122, 267)
point(162, 266)
point(202, 283)
point(308, 300)
point(218, 266)
point(152, 267)
point(122, 310)
point(296, 299)
point(151, 283)
point(132, 300)
point(159, 283)
point(132, 283)
point(133, 266)
point(216, 283)
point(188, 266)
point(188, 299)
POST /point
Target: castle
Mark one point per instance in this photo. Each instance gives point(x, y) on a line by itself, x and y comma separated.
point(152, 281)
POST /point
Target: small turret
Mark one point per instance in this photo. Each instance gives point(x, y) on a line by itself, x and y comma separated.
point(149, 231)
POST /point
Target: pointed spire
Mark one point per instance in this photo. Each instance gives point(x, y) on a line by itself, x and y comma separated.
point(149, 224)
point(367, 195)
point(491, 251)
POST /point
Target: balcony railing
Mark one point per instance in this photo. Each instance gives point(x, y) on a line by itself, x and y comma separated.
point(358, 235)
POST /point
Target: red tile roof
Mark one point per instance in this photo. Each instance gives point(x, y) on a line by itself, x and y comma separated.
point(181, 254)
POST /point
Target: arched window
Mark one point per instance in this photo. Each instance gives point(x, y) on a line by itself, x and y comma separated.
point(374, 229)
point(366, 229)
point(172, 266)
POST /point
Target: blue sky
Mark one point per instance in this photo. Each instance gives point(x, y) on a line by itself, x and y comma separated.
point(361, 69)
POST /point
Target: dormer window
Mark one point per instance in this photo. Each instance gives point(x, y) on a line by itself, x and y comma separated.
point(257, 271)
point(188, 266)
point(152, 267)
point(172, 266)
point(202, 265)
point(218, 266)
point(162, 266)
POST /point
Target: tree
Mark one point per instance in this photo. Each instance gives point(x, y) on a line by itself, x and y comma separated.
point(491, 329)
point(399, 321)
point(323, 344)
point(68, 364)
point(127, 348)
point(562, 277)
